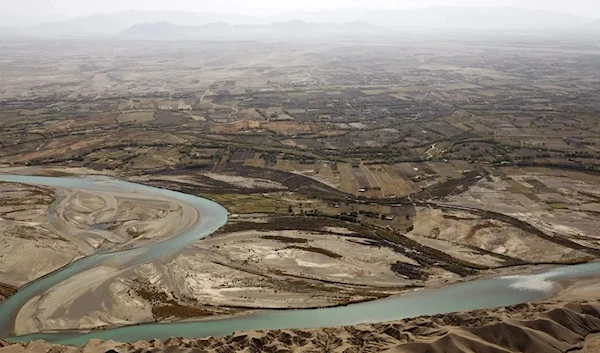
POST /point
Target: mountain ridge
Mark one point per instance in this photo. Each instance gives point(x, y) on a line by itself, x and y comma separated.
point(113, 23)
point(109, 24)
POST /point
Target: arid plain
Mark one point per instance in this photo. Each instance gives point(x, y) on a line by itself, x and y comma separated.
point(352, 172)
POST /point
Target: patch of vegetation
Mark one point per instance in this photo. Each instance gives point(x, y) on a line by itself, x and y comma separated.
point(306, 223)
point(428, 257)
point(133, 233)
point(282, 239)
point(178, 311)
point(316, 250)
point(152, 295)
point(559, 206)
point(408, 270)
point(451, 187)
point(6, 291)
point(252, 203)
point(163, 307)
point(294, 182)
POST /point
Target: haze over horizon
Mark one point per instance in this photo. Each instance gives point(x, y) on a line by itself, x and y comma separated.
point(43, 11)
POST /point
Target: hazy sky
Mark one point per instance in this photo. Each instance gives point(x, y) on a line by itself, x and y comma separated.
point(589, 8)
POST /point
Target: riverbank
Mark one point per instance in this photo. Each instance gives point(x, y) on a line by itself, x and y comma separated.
point(567, 322)
point(549, 327)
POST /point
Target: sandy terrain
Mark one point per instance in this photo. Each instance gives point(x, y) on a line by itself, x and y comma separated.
point(72, 304)
point(53, 171)
point(555, 201)
point(112, 220)
point(232, 272)
point(221, 275)
point(38, 236)
point(347, 260)
point(52, 234)
point(246, 182)
point(29, 247)
point(248, 269)
point(457, 233)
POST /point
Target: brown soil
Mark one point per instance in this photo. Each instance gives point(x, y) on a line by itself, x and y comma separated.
point(287, 240)
point(306, 223)
point(6, 291)
point(316, 250)
point(163, 307)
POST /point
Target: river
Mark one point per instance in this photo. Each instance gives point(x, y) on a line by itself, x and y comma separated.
point(477, 294)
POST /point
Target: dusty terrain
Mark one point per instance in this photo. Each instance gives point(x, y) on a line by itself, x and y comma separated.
point(269, 260)
point(558, 202)
point(113, 220)
point(458, 233)
point(53, 233)
point(29, 246)
point(352, 171)
point(229, 274)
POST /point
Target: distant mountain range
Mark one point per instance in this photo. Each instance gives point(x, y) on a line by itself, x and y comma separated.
point(449, 17)
point(114, 23)
point(295, 28)
point(434, 18)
